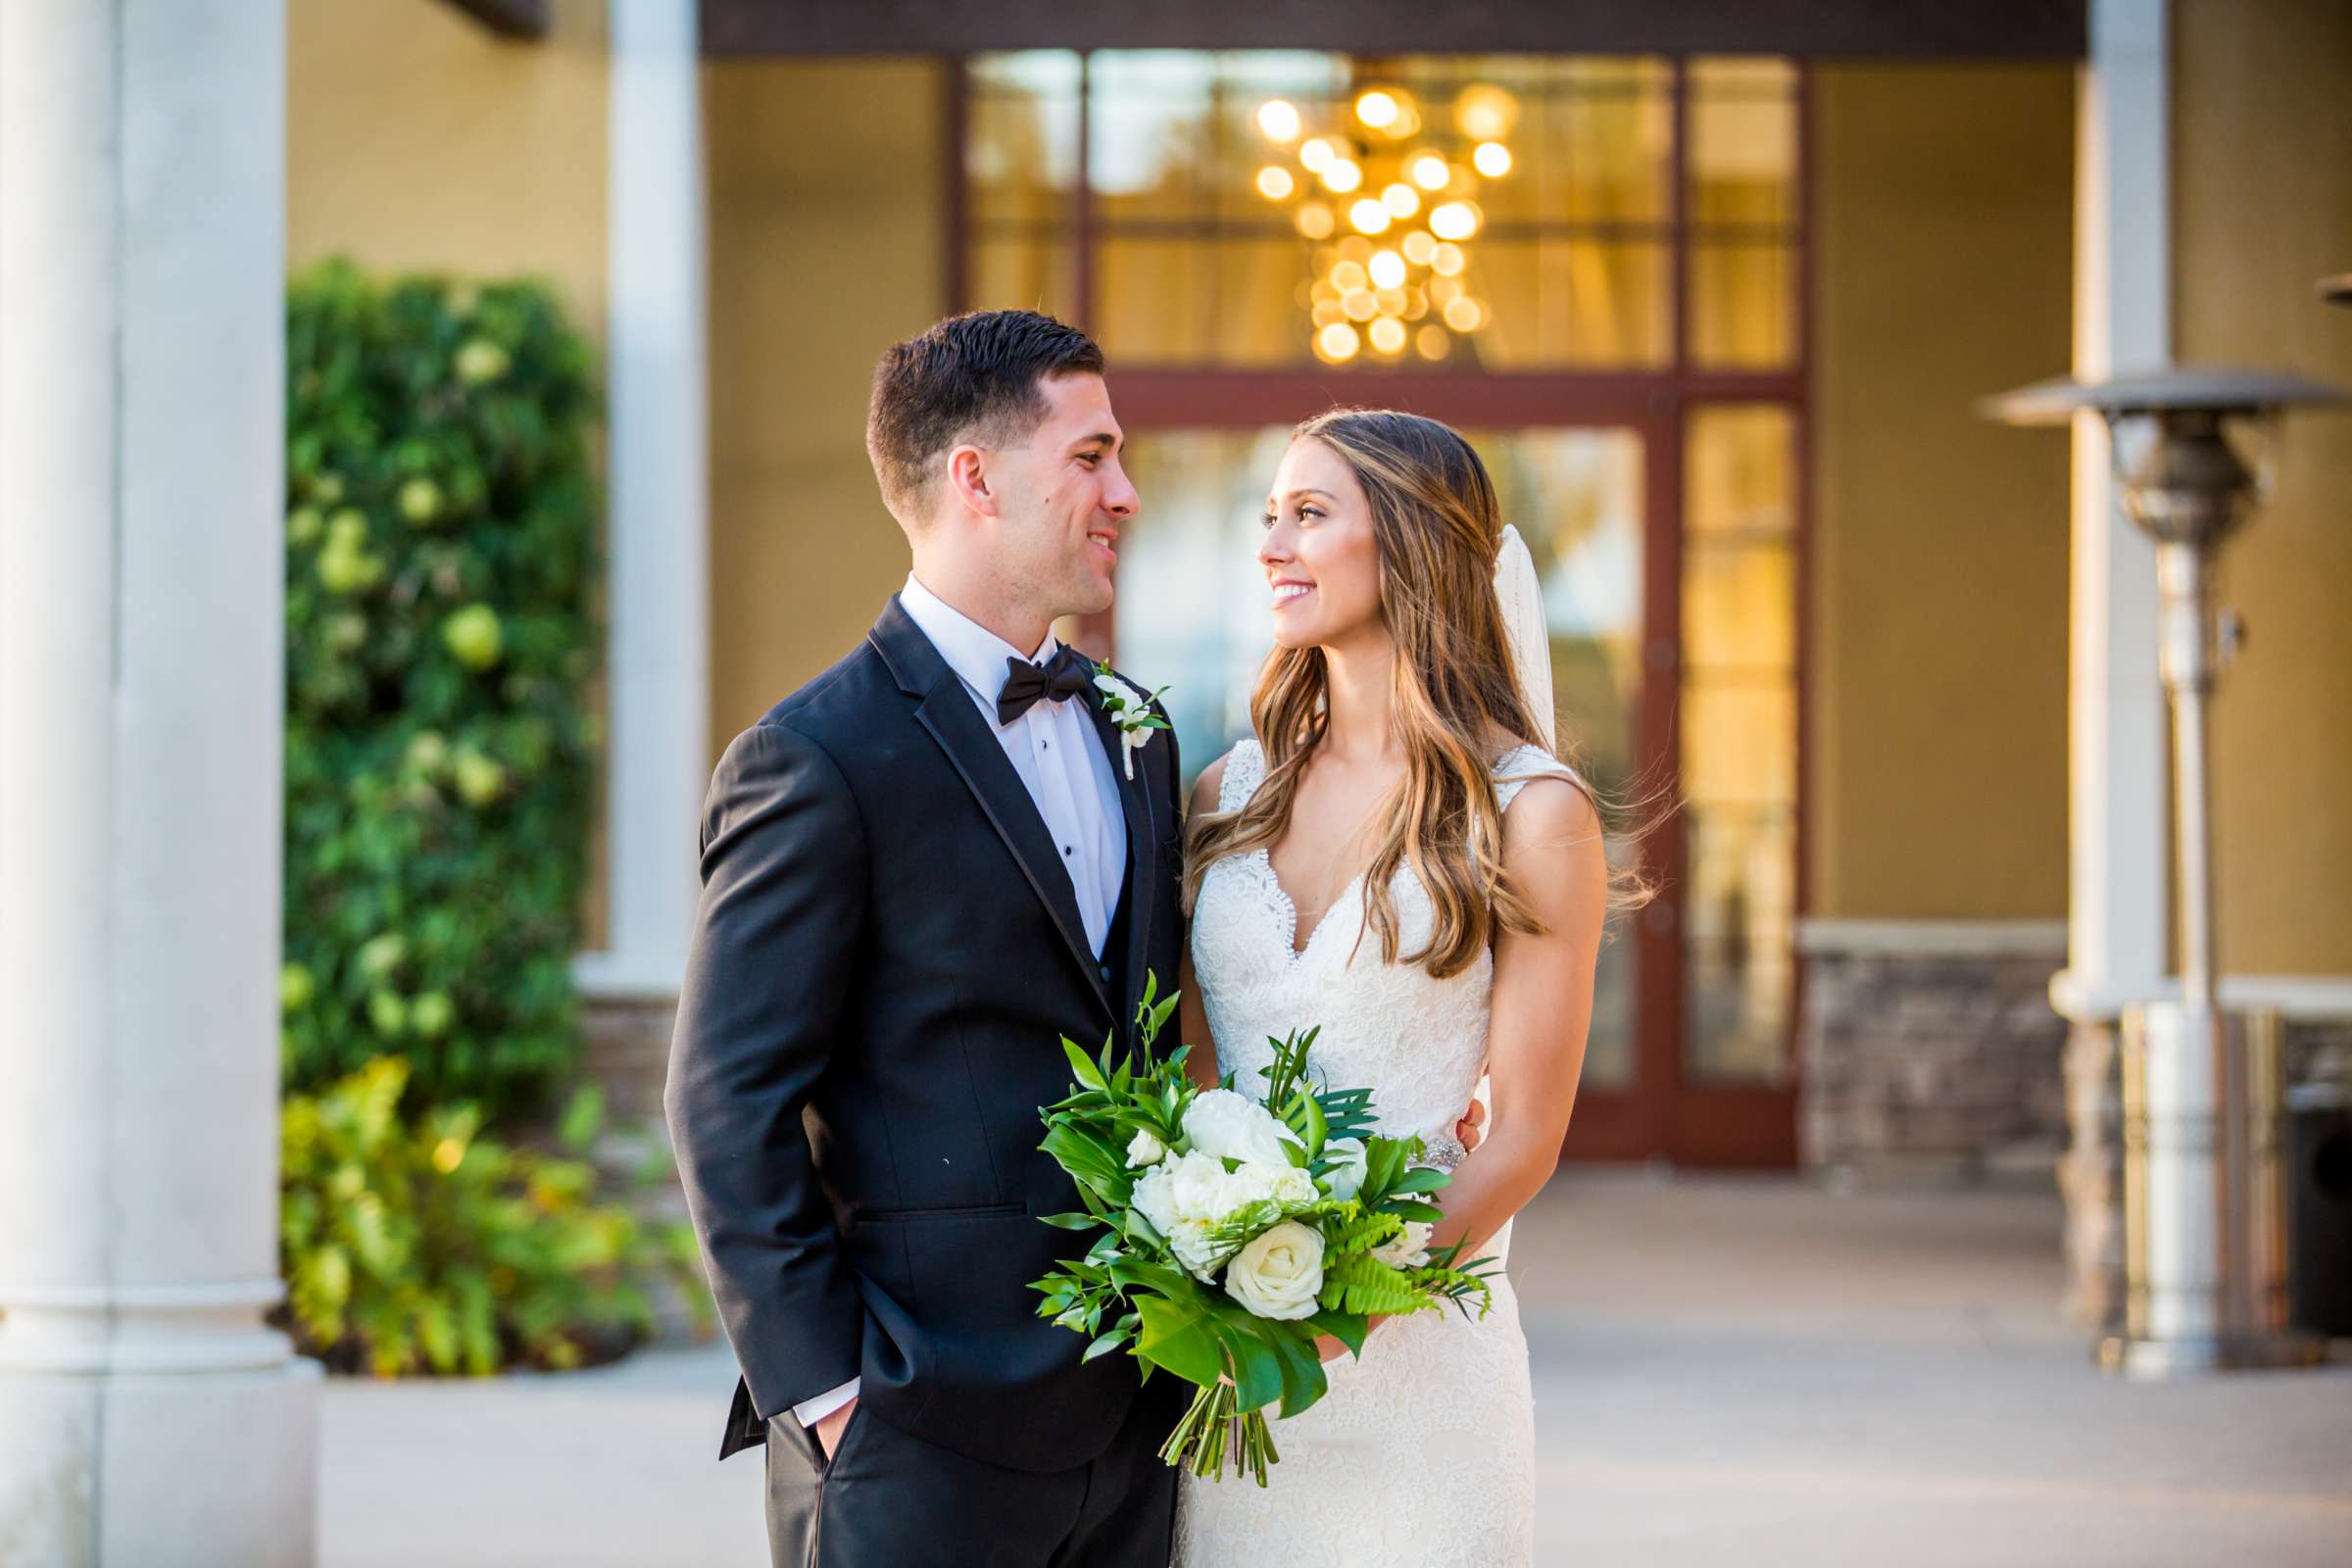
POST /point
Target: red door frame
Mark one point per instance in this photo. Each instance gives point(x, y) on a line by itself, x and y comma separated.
point(1662, 1113)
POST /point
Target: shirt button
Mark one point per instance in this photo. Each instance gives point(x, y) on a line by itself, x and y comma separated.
point(1067, 850)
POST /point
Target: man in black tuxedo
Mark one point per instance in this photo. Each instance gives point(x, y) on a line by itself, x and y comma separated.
point(919, 871)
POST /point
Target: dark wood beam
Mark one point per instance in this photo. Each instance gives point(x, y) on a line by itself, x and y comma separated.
point(511, 18)
point(1924, 29)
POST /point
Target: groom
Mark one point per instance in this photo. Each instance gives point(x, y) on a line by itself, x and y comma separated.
point(919, 871)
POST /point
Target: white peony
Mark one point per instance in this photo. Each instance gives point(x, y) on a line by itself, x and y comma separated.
point(1233, 1126)
point(1347, 1177)
point(1187, 1196)
point(1280, 1274)
point(1410, 1250)
point(1143, 1149)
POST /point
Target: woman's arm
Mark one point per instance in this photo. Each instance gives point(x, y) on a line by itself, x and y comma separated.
point(1192, 1019)
point(1542, 1006)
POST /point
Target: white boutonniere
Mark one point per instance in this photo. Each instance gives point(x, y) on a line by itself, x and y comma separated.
point(1129, 708)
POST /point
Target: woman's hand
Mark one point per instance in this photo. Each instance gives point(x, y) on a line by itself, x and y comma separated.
point(1472, 1127)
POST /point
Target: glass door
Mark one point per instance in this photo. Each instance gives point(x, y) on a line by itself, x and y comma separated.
point(1203, 624)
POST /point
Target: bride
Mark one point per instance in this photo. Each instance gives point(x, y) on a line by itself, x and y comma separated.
point(1396, 856)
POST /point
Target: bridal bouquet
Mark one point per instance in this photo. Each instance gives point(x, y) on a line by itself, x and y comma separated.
point(1235, 1230)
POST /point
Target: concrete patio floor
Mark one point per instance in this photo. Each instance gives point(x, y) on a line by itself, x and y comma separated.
point(1728, 1371)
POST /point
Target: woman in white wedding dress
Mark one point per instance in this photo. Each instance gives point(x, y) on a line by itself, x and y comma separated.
point(1398, 856)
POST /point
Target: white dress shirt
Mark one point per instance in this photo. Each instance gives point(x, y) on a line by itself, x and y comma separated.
point(1061, 762)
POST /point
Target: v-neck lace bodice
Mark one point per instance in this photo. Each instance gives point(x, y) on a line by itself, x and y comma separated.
point(1424, 1451)
point(1418, 1043)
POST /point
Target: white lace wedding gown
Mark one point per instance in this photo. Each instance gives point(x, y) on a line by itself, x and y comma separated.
point(1422, 1455)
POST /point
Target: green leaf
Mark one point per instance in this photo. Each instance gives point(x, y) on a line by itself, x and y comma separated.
point(1070, 1222)
point(1083, 1065)
point(1175, 1335)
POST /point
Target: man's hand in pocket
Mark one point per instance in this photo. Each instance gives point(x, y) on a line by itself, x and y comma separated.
point(829, 1427)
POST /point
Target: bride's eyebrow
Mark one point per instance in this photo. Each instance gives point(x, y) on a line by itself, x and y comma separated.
point(1295, 494)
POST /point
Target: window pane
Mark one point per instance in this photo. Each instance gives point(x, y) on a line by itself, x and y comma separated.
point(1742, 304)
point(1023, 271)
point(1737, 721)
point(1743, 162)
point(1021, 137)
point(1607, 304)
point(1149, 300)
point(1608, 133)
point(1154, 137)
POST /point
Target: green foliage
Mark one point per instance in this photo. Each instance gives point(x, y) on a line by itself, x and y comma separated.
point(442, 572)
point(413, 1242)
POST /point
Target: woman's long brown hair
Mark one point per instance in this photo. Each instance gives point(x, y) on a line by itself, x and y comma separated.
point(1456, 703)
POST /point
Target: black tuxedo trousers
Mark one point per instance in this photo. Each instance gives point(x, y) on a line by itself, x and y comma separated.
point(885, 953)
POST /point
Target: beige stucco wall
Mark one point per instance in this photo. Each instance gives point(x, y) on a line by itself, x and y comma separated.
point(827, 244)
point(1943, 205)
point(2262, 209)
point(417, 139)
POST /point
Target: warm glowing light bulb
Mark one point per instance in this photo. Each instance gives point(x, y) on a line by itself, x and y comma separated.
point(1314, 221)
point(1454, 220)
point(1317, 154)
point(1445, 260)
point(1343, 174)
point(1464, 313)
point(1326, 311)
point(1377, 109)
point(1429, 171)
point(1274, 182)
point(1355, 248)
point(1369, 216)
point(1388, 335)
point(1419, 247)
point(1491, 159)
point(1431, 342)
point(1359, 306)
point(1486, 112)
point(1350, 277)
point(1337, 342)
point(1401, 199)
point(1278, 120)
point(1385, 269)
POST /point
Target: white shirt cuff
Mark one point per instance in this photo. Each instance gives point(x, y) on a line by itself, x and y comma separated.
point(808, 1412)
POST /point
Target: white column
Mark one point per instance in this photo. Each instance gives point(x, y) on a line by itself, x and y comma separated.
point(146, 1415)
point(2117, 799)
point(657, 759)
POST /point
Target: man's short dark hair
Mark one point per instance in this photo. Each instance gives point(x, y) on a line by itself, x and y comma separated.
point(971, 377)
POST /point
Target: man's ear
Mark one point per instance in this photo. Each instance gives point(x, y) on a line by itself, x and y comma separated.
point(969, 482)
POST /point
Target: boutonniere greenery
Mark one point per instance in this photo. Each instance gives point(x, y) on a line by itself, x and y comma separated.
point(1129, 708)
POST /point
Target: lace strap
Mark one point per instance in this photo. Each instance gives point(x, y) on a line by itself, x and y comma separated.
point(1245, 770)
point(1522, 766)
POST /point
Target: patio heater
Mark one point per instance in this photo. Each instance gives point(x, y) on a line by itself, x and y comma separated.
point(2203, 1089)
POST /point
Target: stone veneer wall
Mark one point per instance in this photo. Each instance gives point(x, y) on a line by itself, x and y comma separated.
point(1931, 1048)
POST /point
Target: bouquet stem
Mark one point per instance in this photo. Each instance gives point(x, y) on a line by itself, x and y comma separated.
point(1216, 1428)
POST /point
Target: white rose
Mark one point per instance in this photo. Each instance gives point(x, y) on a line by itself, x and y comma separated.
point(1143, 1149)
point(1347, 1177)
point(1408, 1250)
point(1154, 1198)
point(1280, 1274)
point(1233, 1126)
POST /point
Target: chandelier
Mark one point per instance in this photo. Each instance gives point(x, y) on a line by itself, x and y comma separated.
point(1392, 208)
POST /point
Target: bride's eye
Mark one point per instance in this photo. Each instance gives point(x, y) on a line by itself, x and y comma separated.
point(1266, 521)
point(1307, 511)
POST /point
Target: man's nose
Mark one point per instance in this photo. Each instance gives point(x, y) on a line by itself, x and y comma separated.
point(1119, 498)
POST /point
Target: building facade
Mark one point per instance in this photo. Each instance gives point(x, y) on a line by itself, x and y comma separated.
point(1717, 321)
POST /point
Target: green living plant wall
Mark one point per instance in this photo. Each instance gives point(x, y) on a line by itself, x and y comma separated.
point(442, 602)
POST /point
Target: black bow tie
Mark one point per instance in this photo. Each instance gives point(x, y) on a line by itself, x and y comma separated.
point(1068, 674)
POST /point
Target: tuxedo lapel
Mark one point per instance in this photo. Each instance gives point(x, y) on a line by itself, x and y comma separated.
point(1143, 856)
point(946, 709)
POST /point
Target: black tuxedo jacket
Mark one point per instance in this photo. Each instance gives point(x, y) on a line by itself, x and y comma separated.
point(887, 953)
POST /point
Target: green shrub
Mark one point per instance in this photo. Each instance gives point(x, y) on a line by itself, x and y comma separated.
point(442, 594)
point(413, 1242)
